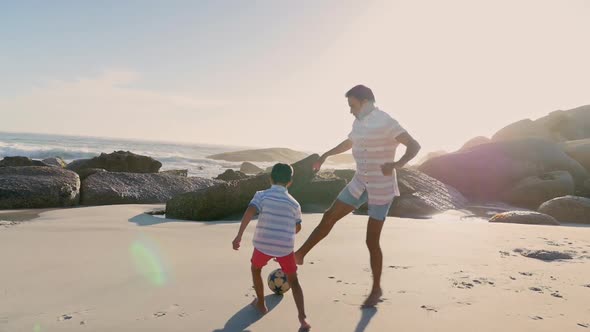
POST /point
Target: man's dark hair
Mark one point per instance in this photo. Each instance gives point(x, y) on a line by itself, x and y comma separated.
point(361, 93)
point(281, 173)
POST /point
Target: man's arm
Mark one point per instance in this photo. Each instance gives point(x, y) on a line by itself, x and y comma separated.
point(342, 147)
point(297, 228)
point(248, 215)
point(412, 149)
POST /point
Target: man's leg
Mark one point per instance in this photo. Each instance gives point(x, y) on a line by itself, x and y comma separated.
point(336, 212)
point(374, 228)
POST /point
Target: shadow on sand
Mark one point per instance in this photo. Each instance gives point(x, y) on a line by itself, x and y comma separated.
point(249, 315)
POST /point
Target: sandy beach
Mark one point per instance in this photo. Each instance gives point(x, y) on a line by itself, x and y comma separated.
point(114, 268)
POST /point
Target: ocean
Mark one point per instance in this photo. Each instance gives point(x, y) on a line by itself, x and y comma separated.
point(172, 155)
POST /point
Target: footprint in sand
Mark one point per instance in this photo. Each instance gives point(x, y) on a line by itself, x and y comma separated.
point(399, 267)
point(556, 294)
point(429, 308)
point(587, 286)
point(536, 318)
point(528, 274)
point(536, 289)
point(171, 309)
point(584, 325)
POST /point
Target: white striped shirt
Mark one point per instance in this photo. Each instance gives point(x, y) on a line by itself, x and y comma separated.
point(374, 143)
point(279, 213)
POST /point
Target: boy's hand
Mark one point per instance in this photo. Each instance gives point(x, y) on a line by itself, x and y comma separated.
point(236, 242)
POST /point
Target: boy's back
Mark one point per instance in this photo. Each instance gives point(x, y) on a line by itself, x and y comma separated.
point(279, 213)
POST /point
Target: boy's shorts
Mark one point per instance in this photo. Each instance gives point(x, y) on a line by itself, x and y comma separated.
point(378, 212)
point(287, 263)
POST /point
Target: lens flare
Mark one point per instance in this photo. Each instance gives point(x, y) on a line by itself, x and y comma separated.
point(148, 262)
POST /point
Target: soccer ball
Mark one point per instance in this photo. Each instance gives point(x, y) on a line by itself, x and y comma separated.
point(277, 282)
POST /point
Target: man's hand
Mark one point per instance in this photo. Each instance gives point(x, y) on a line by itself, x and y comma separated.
point(318, 164)
point(387, 168)
point(236, 242)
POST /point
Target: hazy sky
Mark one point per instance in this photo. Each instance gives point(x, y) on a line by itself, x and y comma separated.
point(273, 73)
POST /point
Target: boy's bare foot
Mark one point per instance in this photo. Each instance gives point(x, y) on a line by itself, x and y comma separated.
point(260, 305)
point(304, 324)
point(298, 258)
point(373, 299)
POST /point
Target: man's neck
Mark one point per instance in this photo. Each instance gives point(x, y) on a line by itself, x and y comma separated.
point(365, 110)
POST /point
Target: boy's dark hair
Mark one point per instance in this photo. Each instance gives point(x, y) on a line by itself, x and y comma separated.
point(361, 93)
point(281, 173)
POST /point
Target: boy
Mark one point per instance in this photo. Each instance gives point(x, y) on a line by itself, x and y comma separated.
point(278, 221)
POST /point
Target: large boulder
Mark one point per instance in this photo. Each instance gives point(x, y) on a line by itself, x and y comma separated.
point(524, 217)
point(283, 155)
point(231, 175)
point(118, 161)
point(249, 168)
point(28, 187)
point(227, 199)
point(423, 196)
point(533, 191)
point(105, 188)
point(557, 126)
point(20, 162)
point(86, 172)
point(479, 140)
point(484, 172)
point(568, 209)
point(55, 161)
point(579, 150)
point(320, 192)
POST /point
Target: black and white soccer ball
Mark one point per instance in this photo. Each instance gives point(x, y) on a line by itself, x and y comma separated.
point(277, 282)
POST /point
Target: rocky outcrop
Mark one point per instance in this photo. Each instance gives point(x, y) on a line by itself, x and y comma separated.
point(20, 162)
point(28, 187)
point(106, 188)
point(118, 161)
point(55, 161)
point(231, 175)
point(533, 191)
point(249, 168)
point(486, 171)
point(524, 217)
point(568, 209)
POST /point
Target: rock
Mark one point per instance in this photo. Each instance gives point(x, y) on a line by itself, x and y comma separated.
point(249, 168)
point(230, 175)
point(423, 196)
point(20, 162)
point(217, 202)
point(524, 129)
point(524, 217)
point(176, 172)
point(431, 155)
point(55, 161)
point(105, 188)
point(557, 126)
point(544, 255)
point(484, 172)
point(118, 161)
point(227, 199)
point(579, 150)
point(86, 172)
point(533, 191)
point(568, 209)
point(282, 155)
point(479, 140)
point(29, 187)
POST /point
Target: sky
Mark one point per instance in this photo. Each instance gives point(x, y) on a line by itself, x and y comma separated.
point(274, 73)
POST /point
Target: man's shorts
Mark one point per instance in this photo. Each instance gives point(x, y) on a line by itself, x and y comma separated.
point(378, 212)
point(287, 263)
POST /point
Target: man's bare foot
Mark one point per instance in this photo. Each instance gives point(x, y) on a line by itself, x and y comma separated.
point(304, 324)
point(298, 258)
point(260, 305)
point(373, 299)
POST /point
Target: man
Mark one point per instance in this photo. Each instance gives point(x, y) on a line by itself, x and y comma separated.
point(373, 139)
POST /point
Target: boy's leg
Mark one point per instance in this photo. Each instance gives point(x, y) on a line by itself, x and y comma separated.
point(336, 212)
point(258, 261)
point(290, 268)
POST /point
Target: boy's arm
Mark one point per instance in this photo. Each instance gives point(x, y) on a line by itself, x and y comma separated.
point(248, 215)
